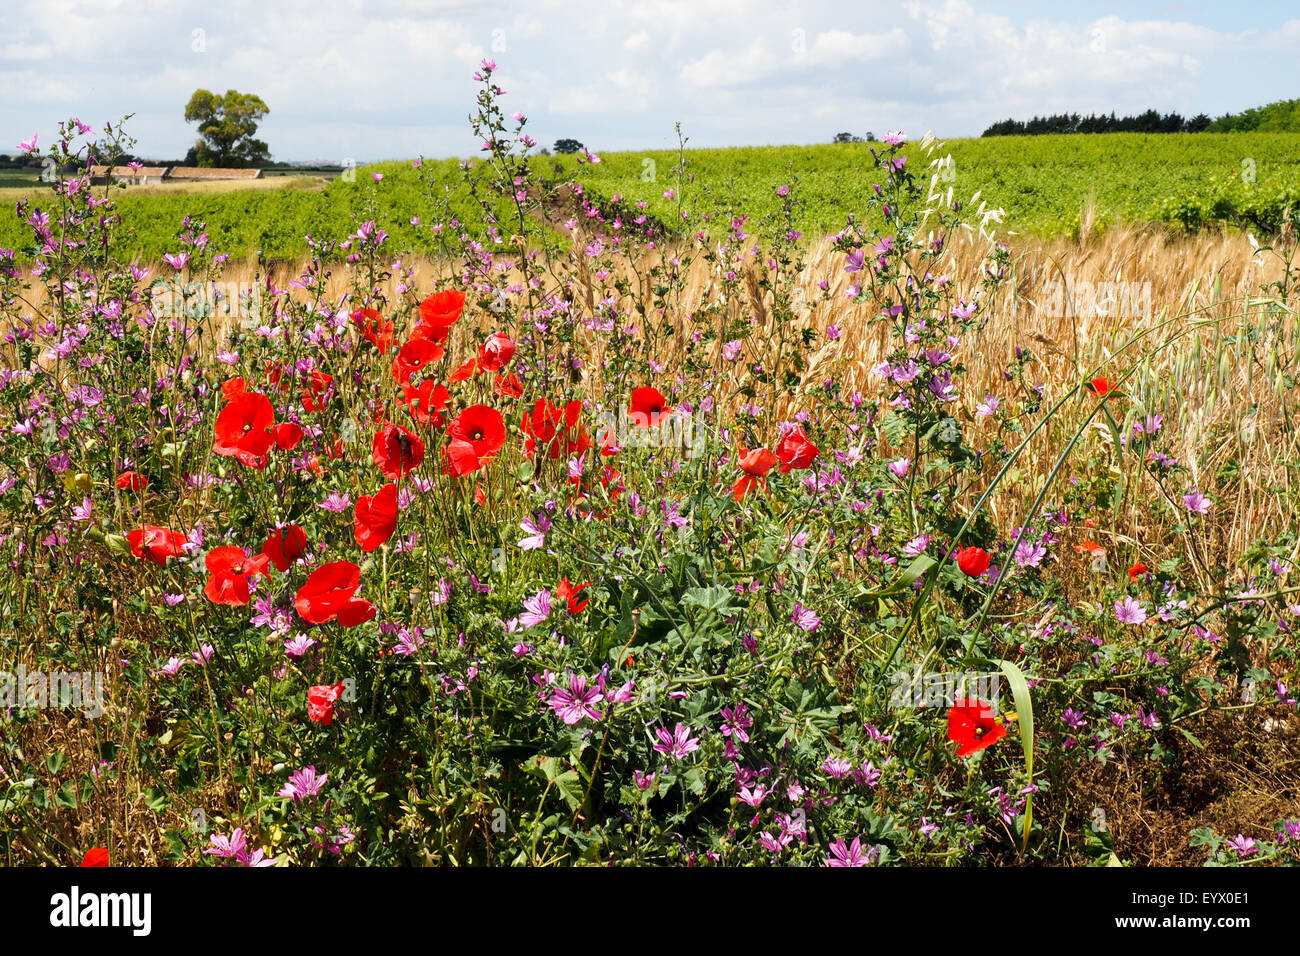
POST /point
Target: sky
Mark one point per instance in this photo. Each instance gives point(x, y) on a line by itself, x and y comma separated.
point(366, 80)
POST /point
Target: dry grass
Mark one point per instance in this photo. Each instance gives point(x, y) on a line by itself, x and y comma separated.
point(1218, 387)
point(11, 194)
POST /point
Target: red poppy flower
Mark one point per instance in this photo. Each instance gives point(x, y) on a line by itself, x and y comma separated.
point(508, 384)
point(647, 407)
point(285, 546)
point(329, 593)
point(231, 387)
point(413, 357)
point(556, 430)
point(439, 312)
point(1137, 571)
point(464, 372)
point(375, 517)
point(133, 481)
point(425, 402)
point(1090, 548)
point(1100, 386)
point(496, 353)
point(397, 451)
point(287, 436)
point(156, 544)
point(795, 450)
point(243, 429)
point(320, 702)
point(228, 572)
point(97, 856)
point(313, 397)
point(973, 561)
point(755, 465)
point(374, 329)
point(483, 428)
point(972, 728)
point(575, 595)
point(461, 459)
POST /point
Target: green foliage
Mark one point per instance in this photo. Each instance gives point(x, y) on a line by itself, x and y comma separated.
point(227, 125)
point(1280, 117)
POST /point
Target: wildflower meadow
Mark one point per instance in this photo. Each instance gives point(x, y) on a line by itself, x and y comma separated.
point(604, 537)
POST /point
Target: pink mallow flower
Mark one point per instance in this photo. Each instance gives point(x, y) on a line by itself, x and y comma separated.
point(576, 703)
point(676, 743)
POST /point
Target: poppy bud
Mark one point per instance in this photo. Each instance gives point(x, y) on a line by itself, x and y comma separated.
point(973, 561)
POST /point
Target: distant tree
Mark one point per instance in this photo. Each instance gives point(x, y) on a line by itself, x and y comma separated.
point(1152, 121)
point(567, 146)
point(226, 127)
point(848, 138)
point(1280, 117)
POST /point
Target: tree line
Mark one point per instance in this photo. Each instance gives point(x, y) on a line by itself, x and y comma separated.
point(1282, 116)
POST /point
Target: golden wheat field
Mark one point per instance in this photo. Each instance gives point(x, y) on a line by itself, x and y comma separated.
point(1068, 302)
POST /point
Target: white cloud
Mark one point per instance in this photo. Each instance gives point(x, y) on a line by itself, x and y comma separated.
point(726, 68)
point(371, 78)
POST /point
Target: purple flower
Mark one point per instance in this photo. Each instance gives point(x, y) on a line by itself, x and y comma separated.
point(1244, 845)
point(536, 532)
point(851, 855)
point(804, 617)
point(1130, 611)
point(836, 767)
point(536, 609)
point(229, 847)
point(574, 704)
point(337, 502)
point(304, 783)
point(736, 722)
point(1072, 718)
point(298, 645)
point(1029, 555)
point(676, 743)
point(1197, 502)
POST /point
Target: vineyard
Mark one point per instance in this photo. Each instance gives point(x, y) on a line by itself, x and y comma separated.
point(1047, 185)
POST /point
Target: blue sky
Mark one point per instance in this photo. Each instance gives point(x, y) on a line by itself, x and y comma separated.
point(375, 79)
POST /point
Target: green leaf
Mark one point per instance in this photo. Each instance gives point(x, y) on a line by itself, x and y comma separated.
point(1025, 717)
point(918, 567)
point(716, 598)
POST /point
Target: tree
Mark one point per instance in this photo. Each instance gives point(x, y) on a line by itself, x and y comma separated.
point(226, 127)
point(567, 146)
point(847, 138)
